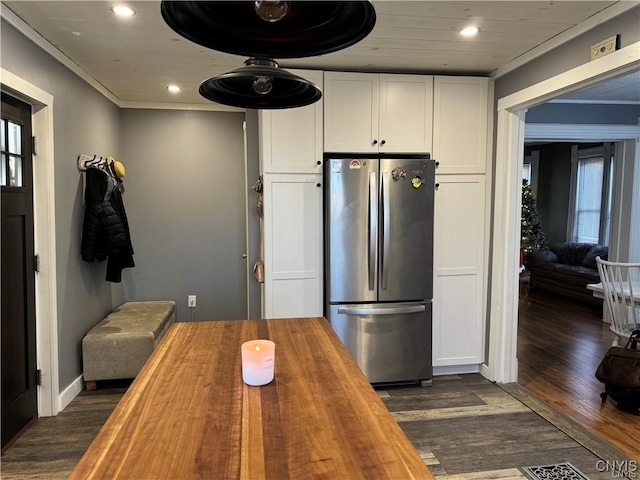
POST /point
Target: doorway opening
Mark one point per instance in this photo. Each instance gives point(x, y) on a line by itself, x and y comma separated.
point(503, 362)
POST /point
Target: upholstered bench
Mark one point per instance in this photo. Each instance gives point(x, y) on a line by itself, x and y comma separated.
point(118, 346)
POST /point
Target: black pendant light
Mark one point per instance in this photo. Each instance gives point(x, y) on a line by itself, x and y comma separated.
point(260, 84)
point(271, 28)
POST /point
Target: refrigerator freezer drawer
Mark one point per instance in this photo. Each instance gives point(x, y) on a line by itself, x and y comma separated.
point(389, 342)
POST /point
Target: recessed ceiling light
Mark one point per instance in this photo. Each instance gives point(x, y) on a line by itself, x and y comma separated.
point(76, 34)
point(174, 88)
point(123, 10)
point(469, 31)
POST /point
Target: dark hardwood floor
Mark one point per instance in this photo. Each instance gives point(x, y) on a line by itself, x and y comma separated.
point(560, 344)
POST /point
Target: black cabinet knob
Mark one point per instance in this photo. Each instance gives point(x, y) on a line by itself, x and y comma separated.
point(437, 164)
point(383, 142)
point(318, 184)
point(375, 142)
point(318, 162)
point(437, 185)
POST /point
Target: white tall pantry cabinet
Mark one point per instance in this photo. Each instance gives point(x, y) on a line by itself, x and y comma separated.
point(290, 149)
point(460, 126)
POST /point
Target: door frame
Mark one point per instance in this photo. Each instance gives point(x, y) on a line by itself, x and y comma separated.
point(44, 237)
point(502, 365)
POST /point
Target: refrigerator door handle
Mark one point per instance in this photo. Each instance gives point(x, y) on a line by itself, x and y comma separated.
point(386, 221)
point(355, 310)
point(373, 230)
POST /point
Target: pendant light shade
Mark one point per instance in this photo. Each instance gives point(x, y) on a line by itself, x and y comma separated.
point(271, 28)
point(260, 84)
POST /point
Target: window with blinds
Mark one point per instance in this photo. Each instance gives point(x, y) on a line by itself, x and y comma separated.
point(592, 195)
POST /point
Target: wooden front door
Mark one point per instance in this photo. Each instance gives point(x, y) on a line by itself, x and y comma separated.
point(19, 389)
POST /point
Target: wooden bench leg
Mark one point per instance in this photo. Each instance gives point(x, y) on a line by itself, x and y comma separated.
point(90, 385)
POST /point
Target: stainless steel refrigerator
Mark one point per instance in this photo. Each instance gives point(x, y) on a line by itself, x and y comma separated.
point(379, 261)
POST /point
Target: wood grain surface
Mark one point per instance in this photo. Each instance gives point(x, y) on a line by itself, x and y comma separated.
point(189, 415)
point(560, 345)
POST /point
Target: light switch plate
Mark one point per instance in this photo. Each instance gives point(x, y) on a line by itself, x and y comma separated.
point(605, 47)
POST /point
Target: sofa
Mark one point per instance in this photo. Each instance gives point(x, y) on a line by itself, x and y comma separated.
point(566, 269)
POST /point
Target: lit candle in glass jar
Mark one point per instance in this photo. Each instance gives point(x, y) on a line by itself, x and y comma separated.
point(258, 359)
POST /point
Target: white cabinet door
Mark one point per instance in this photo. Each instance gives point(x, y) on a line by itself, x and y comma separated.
point(351, 102)
point(459, 265)
point(460, 112)
point(292, 245)
point(291, 139)
point(370, 113)
point(406, 110)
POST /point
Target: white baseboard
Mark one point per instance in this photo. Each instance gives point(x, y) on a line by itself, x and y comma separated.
point(71, 392)
point(456, 369)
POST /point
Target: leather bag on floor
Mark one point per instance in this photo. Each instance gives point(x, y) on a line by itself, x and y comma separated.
point(620, 366)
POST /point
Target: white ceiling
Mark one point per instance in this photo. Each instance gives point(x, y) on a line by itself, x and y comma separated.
point(134, 59)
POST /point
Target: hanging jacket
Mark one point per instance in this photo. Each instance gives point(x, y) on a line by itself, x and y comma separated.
point(105, 229)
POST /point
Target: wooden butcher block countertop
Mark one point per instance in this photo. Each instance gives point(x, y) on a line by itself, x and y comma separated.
point(188, 414)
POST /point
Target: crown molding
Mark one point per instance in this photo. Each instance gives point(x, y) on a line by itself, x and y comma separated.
point(213, 107)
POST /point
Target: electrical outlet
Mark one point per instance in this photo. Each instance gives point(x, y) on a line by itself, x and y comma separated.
point(605, 47)
point(191, 301)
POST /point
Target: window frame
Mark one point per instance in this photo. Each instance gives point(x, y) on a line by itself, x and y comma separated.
point(606, 151)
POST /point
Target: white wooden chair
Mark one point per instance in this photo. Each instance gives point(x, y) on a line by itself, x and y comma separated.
point(621, 288)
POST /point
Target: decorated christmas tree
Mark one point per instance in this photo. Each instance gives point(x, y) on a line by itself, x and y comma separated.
point(532, 236)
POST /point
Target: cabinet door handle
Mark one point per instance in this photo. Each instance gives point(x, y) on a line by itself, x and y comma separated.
point(318, 184)
point(383, 142)
point(318, 162)
point(437, 185)
point(437, 164)
point(375, 142)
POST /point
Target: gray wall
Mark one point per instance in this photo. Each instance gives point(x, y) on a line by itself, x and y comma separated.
point(569, 55)
point(573, 113)
point(185, 200)
point(554, 180)
point(84, 121)
point(620, 247)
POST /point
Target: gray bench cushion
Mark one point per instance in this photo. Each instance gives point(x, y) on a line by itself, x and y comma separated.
point(121, 343)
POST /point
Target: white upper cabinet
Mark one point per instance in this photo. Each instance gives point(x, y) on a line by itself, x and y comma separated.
point(371, 113)
point(291, 138)
point(460, 113)
point(406, 111)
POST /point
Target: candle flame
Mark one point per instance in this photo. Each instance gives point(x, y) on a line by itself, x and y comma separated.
point(257, 348)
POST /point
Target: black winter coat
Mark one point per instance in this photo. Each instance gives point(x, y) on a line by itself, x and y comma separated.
point(105, 229)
